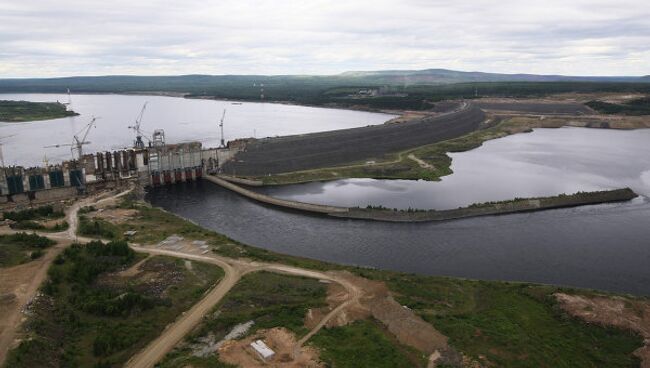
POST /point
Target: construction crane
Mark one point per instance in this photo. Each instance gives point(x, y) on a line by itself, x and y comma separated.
point(78, 143)
point(138, 143)
point(2, 157)
point(223, 141)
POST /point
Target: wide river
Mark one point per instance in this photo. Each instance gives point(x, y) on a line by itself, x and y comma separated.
point(604, 247)
point(182, 119)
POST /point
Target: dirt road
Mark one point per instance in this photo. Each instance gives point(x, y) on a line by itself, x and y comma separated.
point(234, 269)
point(24, 280)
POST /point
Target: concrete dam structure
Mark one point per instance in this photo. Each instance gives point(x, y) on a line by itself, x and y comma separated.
point(310, 151)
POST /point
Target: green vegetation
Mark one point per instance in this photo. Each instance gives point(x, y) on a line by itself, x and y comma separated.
point(268, 299)
point(19, 248)
point(510, 324)
point(39, 213)
point(20, 111)
point(92, 317)
point(361, 344)
point(640, 106)
point(399, 90)
point(491, 208)
point(167, 224)
point(33, 225)
point(98, 228)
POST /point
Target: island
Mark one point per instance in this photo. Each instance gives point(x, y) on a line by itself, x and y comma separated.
point(22, 111)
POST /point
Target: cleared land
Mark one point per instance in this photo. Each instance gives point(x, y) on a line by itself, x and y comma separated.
point(544, 108)
point(301, 152)
point(21, 111)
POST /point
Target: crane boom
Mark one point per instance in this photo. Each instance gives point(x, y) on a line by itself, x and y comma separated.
point(223, 116)
point(136, 128)
point(76, 142)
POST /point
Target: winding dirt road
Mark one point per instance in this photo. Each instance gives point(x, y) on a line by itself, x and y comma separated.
point(29, 277)
point(234, 269)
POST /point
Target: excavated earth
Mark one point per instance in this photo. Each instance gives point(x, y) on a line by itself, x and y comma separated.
point(617, 312)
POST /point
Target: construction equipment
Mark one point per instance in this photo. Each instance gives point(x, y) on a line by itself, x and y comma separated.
point(2, 158)
point(138, 143)
point(223, 141)
point(76, 142)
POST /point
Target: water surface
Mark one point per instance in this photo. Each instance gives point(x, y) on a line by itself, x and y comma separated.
point(604, 247)
point(182, 119)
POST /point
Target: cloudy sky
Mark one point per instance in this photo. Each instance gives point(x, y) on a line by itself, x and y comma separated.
point(76, 37)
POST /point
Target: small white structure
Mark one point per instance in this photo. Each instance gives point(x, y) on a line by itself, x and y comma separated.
point(262, 350)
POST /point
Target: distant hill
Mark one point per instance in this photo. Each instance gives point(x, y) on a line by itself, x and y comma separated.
point(198, 83)
point(444, 76)
point(385, 89)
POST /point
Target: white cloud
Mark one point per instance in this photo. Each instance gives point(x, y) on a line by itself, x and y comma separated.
point(70, 37)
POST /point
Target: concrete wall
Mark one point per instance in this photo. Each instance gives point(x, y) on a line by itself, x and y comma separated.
point(309, 207)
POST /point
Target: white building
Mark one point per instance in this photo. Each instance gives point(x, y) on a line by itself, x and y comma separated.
point(263, 351)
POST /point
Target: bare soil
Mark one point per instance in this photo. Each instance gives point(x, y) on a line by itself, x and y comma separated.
point(617, 312)
point(114, 215)
point(280, 340)
point(403, 323)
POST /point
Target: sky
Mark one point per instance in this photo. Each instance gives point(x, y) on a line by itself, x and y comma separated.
point(54, 38)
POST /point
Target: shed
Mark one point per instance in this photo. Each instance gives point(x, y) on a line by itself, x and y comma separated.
point(262, 350)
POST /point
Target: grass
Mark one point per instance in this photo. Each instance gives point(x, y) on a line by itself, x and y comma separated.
point(19, 248)
point(21, 111)
point(98, 228)
point(268, 299)
point(360, 344)
point(89, 317)
point(510, 324)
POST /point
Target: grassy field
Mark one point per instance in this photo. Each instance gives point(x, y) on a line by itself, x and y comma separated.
point(640, 106)
point(510, 324)
point(268, 299)
point(21, 111)
point(89, 316)
point(20, 248)
point(363, 343)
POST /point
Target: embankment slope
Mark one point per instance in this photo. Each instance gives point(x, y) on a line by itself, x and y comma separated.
point(326, 149)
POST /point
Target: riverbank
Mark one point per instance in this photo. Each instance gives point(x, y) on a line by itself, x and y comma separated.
point(431, 162)
point(517, 205)
point(24, 111)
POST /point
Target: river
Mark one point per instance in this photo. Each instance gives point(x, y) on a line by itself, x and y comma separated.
point(604, 247)
point(182, 119)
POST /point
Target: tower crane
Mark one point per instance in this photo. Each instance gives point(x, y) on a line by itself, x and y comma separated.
point(78, 143)
point(138, 143)
point(223, 141)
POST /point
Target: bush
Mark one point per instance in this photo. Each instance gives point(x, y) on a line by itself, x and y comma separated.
point(97, 228)
point(33, 214)
point(36, 254)
point(28, 240)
